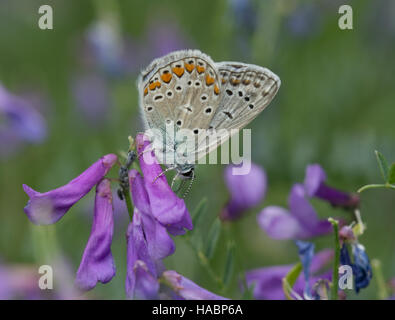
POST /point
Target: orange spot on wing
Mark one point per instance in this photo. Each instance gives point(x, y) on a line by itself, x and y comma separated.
point(200, 69)
point(223, 80)
point(154, 85)
point(209, 80)
point(178, 71)
point(166, 77)
point(145, 91)
point(216, 90)
point(234, 82)
point(189, 67)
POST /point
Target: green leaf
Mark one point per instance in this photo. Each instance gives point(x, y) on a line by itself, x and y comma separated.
point(199, 212)
point(229, 264)
point(290, 279)
point(382, 165)
point(212, 238)
point(391, 174)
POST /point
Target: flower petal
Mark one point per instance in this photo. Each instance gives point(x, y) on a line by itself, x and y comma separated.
point(187, 289)
point(139, 261)
point(166, 207)
point(246, 191)
point(313, 179)
point(279, 224)
point(304, 212)
point(97, 262)
point(160, 244)
point(49, 207)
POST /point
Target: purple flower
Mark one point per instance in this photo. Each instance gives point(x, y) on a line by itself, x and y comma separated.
point(187, 289)
point(304, 21)
point(300, 222)
point(268, 280)
point(314, 183)
point(49, 207)
point(159, 243)
point(92, 97)
point(361, 267)
point(165, 206)
point(97, 263)
point(247, 191)
point(141, 278)
point(20, 122)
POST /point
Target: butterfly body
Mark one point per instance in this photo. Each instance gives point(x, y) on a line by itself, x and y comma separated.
point(187, 91)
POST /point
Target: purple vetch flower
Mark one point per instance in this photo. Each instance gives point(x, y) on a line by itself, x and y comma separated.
point(19, 122)
point(246, 191)
point(49, 207)
point(142, 273)
point(97, 263)
point(361, 268)
point(166, 207)
point(314, 183)
point(187, 289)
point(268, 280)
point(304, 21)
point(92, 97)
point(18, 282)
point(300, 222)
point(306, 253)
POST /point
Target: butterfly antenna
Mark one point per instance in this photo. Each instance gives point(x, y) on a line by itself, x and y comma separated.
point(190, 185)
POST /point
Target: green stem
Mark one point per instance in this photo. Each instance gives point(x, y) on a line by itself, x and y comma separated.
point(382, 293)
point(128, 200)
point(375, 186)
point(205, 263)
point(335, 276)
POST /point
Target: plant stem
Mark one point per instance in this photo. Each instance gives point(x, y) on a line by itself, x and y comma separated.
point(375, 186)
point(335, 276)
point(382, 293)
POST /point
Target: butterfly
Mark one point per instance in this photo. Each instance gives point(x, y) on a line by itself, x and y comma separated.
point(187, 91)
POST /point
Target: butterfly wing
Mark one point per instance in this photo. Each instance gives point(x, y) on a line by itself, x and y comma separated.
point(180, 90)
point(246, 90)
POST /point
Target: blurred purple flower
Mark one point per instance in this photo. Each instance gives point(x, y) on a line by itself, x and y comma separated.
point(361, 267)
point(300, 222)
point(246, 191)
point(97, 263)
point(304, 21)
point(18, 282)
point(187, 289)
point(164, 36)
point(49, 207)
point(92, 97)
point(19, 122)
point(306, 253)
point(314, 183)
point(268, 280)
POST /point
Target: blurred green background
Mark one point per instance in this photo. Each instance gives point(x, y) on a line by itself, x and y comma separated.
point(335, 107)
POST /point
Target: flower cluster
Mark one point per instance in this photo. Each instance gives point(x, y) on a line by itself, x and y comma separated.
point(158, 212)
